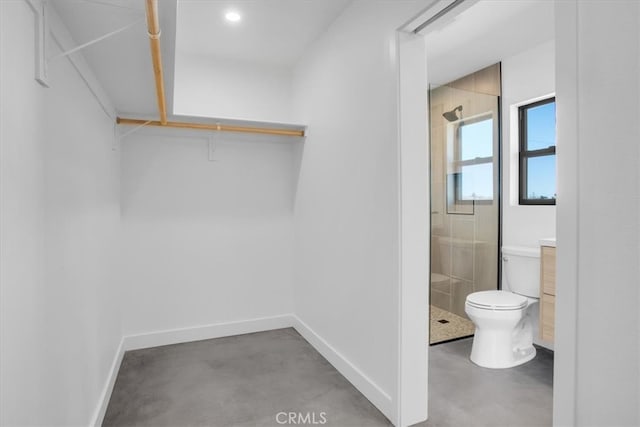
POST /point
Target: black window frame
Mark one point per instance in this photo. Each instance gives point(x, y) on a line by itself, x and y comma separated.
point(526, 154)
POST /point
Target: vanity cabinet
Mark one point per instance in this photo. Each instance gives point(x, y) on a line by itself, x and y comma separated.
point(547, 292)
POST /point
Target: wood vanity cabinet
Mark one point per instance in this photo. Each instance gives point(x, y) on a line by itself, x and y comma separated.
point(547, 292)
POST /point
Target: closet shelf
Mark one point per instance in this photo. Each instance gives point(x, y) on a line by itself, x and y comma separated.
point(222, 125)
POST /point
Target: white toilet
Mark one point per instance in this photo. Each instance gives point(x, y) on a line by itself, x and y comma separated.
point(503, 320)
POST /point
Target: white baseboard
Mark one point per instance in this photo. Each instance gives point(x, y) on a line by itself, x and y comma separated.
point(181, 335)
point(101, 410)
point(360, 381)
point(197, 333)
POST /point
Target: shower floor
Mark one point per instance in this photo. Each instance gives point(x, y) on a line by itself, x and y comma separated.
point(446, 326)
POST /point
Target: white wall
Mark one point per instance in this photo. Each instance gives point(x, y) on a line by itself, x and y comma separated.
point(597, 372)
point(346, 212)
point(60, 227)
point(22, 221)
point(414, 230)
point(206, 241)
point(526, 76)
point(210, 87)
point(485, 33)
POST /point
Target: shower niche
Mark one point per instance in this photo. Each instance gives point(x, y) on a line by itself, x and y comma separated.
point(465, 197)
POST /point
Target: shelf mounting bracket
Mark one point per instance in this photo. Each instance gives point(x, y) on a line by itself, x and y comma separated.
point(96, 40)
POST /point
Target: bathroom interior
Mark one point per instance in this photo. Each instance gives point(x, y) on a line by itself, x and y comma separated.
point(464, 197)
point(492, 157)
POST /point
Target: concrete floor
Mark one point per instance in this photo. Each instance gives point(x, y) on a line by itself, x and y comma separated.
point(244, 380)
point(247, 380)
point(464, 394)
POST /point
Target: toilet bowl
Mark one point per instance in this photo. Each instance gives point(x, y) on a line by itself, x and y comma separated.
point(503, 319)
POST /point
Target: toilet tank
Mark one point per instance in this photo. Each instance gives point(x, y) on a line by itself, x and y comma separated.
point(521, 266)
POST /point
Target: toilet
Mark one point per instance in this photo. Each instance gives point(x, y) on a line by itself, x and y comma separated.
point(503, 319)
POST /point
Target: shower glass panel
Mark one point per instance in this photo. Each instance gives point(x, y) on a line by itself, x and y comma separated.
point(465, 204)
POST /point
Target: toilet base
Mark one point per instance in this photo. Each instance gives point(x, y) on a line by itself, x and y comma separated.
point(491, 350)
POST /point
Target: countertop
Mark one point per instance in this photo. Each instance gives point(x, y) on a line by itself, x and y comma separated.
point(549, 241)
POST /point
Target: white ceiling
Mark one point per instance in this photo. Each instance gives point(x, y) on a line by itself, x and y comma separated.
point(122, 62)
point(485, 33)
point(278, 32)
point(270, 32)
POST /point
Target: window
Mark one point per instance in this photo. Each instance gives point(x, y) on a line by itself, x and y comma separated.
point(474, 160)
point(537, 123)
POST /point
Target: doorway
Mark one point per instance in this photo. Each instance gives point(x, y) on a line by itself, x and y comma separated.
point(451, 48)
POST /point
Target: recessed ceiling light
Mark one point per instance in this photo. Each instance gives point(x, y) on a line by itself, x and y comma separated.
point(232, 16)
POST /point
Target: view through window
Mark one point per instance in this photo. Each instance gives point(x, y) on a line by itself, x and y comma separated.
point(537, 125)
point(475, 160)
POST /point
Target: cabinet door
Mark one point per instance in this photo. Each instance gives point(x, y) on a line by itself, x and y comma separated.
point(548, 267)
point(547, 317)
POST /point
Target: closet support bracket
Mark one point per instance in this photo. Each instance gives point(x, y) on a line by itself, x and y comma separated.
point(94, 41)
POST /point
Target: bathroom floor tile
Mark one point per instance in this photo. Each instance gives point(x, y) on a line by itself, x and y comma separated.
point(446, 326)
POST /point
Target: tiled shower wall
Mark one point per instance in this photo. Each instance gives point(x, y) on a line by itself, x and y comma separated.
point(464, 252)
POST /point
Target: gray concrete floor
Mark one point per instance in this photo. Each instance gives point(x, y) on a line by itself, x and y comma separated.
point(244, 380)
point(464, 394)
point(247, 380)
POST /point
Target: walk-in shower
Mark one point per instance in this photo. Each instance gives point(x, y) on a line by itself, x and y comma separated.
point(465, 202)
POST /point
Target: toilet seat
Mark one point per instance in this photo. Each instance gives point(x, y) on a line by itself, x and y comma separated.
point(497, 300)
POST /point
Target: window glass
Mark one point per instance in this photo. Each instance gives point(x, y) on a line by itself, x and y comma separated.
point(537, 123)
point(477, 182)
point(474, 180)
point(541, 176)
point(541, 126)
point(476, 139)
